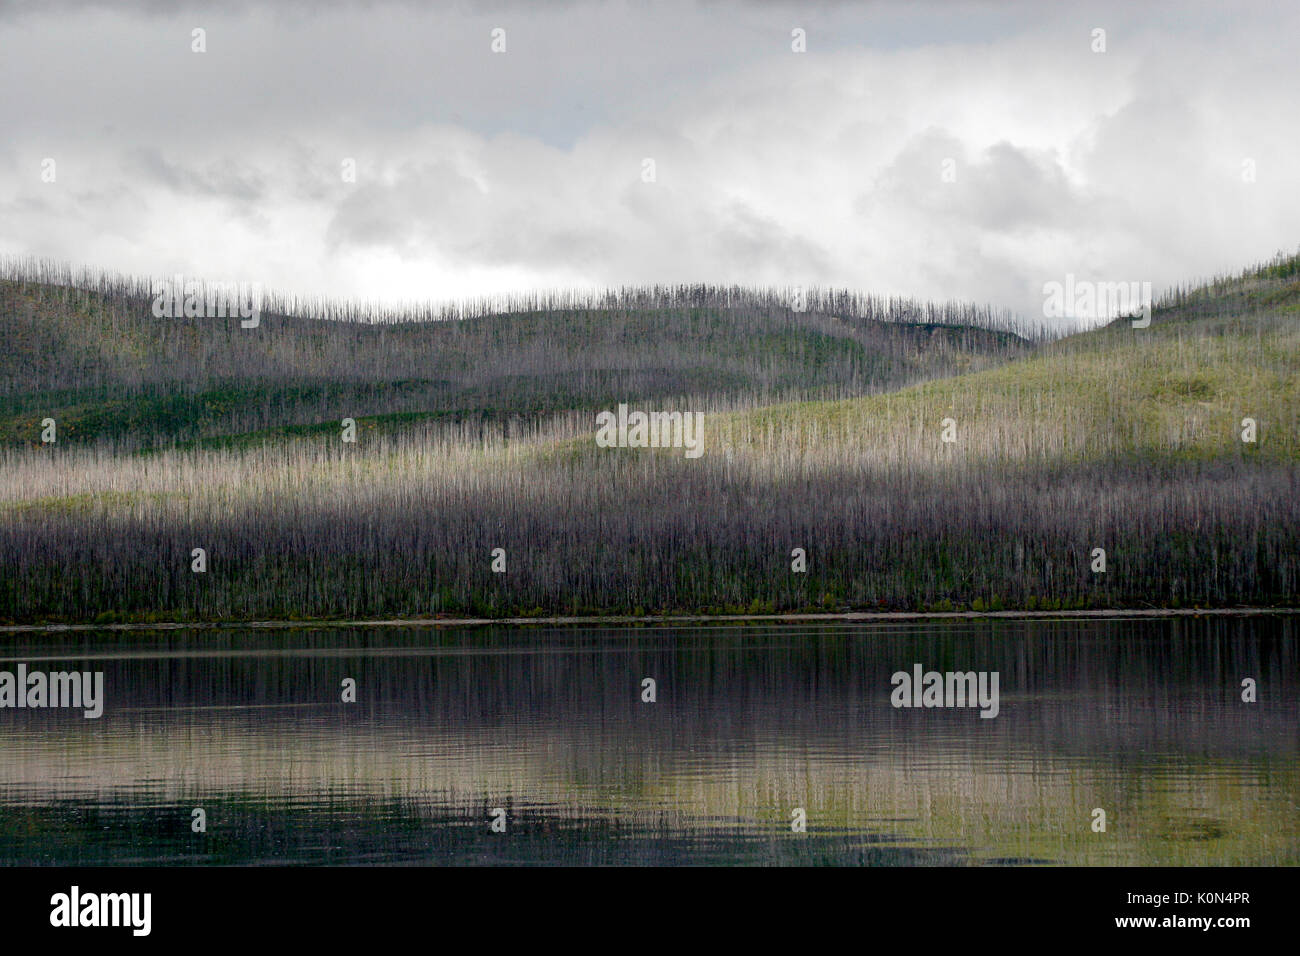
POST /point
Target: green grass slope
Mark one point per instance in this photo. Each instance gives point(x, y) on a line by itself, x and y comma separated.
point(1178, 389)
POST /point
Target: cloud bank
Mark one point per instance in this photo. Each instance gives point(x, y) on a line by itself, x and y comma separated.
point(960, 150)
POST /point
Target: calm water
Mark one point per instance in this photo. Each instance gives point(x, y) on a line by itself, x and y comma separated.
point(1141, 718)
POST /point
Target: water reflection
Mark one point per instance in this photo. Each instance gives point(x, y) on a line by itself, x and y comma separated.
point(1141, 718)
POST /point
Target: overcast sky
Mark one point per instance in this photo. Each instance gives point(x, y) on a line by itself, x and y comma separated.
point(480, 173)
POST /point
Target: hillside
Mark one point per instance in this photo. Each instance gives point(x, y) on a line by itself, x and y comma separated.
point(1119, 439)
point(103, 366)
point(1178, 389)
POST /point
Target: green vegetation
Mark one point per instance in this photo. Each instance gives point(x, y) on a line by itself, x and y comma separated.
point(92, 356)
point(822, 432)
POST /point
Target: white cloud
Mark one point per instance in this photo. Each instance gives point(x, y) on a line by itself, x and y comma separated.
point(482, 175)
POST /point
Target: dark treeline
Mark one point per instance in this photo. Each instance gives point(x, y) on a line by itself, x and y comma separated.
point(691, 536)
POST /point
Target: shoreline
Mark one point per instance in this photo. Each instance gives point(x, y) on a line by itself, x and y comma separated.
point(660, 619)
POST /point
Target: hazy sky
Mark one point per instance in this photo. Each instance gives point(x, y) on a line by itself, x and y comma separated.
point(481, 172)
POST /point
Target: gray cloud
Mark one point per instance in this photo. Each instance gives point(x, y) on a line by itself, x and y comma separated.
point(482, 173)
point(223, 178)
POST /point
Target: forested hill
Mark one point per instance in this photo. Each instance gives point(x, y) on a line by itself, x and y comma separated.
point(1123, 467)
point(95, 358)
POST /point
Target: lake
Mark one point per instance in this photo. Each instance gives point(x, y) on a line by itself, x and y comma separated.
point(750, 726)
